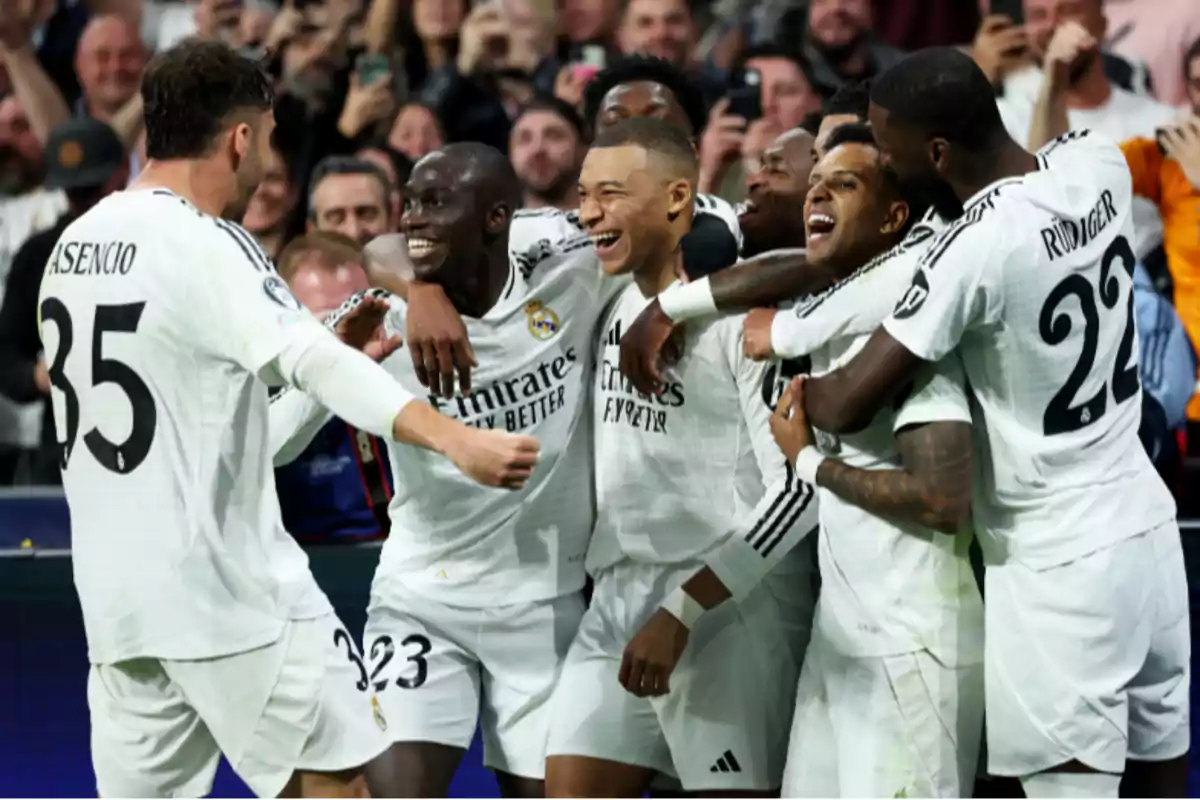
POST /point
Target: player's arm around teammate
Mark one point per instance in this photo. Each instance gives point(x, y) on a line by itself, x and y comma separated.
point(932, 488)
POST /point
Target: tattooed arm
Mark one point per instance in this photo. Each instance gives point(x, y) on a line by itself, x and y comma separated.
point(932, 488)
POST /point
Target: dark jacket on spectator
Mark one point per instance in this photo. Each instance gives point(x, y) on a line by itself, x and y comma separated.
point(20, 343)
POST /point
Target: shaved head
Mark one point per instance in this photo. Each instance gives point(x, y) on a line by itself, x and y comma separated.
point(487, 170)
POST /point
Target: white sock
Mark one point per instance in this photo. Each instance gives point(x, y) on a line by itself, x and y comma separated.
point(1071, 784)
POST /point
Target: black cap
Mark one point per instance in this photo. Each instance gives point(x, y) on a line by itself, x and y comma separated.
point(82, 153)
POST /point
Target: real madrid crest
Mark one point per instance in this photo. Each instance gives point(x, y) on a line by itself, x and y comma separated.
point(543, 322)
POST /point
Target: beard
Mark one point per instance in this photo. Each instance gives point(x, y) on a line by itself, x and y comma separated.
point(551, 190)
point(839, 53)
point(17, 175)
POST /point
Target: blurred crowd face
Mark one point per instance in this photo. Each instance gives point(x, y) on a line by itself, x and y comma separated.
point(321, 286)
point(588, 20)
point(20, 150)
point(416, 132)
point(659, 28)
point(380, 159)
point(545, 152)
point(352, 205)
point(837, 27)
point(109, 61)
point(1042, 17)
point(1193, 84)
point(273, 200)
point(787, 96)
point(775, 194)
point(438, 20)
point(315, 52)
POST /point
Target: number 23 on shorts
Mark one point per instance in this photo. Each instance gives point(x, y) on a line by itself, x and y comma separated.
point(382, 653)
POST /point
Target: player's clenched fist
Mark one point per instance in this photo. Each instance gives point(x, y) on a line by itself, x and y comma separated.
point(495, 458)
point(651, 655)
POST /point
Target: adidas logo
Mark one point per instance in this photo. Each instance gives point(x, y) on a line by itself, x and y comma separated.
point(726, 763)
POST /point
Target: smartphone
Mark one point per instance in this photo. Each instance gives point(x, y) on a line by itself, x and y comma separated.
point(371, 67)
point(587, 60)
point(745, 98)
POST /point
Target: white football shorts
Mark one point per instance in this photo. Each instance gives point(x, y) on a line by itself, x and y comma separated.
point(300, 703)
point(1089, 660)
point(902, 725)
point(439, 669)
point(724, 723)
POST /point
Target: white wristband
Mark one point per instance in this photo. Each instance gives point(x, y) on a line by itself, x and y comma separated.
point(808, 461)
point(683, 607)
point(688, 301)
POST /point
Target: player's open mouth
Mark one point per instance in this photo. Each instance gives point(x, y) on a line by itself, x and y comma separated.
point(605, 242)
point(820, 225)
point(420, 247)
point(749, 207)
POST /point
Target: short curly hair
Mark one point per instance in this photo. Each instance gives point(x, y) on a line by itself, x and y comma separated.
point(639, 69)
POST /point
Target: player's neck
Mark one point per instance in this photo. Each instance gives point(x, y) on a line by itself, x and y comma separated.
point(476, 294)
point(191, 180)
point(1090, 91)
point(659, 273)
point(1009, 160)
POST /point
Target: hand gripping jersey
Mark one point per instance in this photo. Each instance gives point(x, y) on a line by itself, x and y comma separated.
point(1033, 286)
point(888, 587)
point(158, 322)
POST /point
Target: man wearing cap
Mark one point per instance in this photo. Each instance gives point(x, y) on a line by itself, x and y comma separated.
point(85, 159)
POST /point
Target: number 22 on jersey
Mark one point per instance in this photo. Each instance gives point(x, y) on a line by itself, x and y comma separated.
point(122, 457)
point(1055, 327)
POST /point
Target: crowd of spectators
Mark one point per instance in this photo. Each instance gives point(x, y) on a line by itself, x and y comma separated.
point(367, 87)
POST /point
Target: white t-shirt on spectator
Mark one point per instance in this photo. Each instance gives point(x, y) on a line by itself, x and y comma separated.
point(1125, 116)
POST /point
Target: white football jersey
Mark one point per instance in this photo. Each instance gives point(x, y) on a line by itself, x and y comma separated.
point(157, 322)
point(465, 544)
point(1033, 285)
point(887, 586)
point(679, 473)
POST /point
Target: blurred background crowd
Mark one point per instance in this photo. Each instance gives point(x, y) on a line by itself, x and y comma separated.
point(367, 87)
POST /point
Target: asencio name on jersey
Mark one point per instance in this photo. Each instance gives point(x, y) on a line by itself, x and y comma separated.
point(92, 258)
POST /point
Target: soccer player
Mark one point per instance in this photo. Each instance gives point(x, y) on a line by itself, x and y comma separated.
point(163, 325)
point(773, 215)
point(686, 532)
point(1087, 661)
point(636, 86)
point(477, 594)
point(890, 701)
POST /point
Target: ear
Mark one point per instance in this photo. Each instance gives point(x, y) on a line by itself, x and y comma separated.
point(241, 140)
point(497, 219)
point(895, 217)
point(939, 153)
point(680, 198)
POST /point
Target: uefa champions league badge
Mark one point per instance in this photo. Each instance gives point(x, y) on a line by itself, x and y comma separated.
point(377, 712)
point(543, 322)
point(278, 291)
